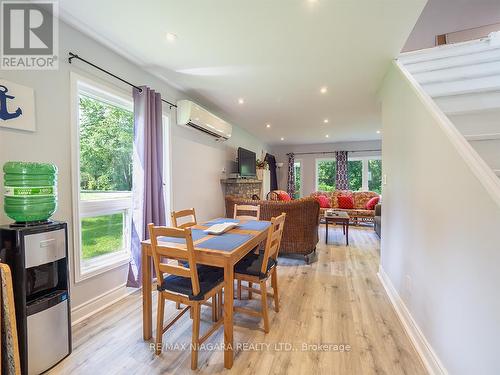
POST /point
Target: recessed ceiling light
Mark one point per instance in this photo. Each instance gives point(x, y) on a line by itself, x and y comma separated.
point(326, 136)
point(282, 138)
point(171, 37)
point(378, 131)
point(241, 100)
point(325, 121)
point(268, 126)
point(323, 90)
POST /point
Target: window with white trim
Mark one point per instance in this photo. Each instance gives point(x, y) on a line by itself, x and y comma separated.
point(326, 169)
point(297, 168)
point(102, 165)
point(365, 173)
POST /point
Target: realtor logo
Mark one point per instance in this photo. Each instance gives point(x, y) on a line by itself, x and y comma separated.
point(29, 35)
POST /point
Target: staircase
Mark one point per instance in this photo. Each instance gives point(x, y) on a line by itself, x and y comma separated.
point(464, 81)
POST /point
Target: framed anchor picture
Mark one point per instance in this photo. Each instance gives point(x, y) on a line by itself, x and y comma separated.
point(17, 106)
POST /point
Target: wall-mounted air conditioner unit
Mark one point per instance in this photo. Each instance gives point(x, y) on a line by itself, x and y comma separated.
point(193, 115)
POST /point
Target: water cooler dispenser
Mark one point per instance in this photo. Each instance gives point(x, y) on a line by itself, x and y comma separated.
point(38, 257)
point(36, 250)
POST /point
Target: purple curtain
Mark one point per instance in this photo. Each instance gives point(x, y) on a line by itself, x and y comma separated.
point(342, 177)
point(147, 186)
point(291, 175)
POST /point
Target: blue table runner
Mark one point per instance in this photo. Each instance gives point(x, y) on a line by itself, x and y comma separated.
point(196, 233)
point(220, 221)
point(254, 225)
point(225, 241)
point(249, 225)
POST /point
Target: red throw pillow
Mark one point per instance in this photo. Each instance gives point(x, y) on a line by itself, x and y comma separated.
point(283, 196)
point(370, 205)
point(345, 201)
point(323, 201)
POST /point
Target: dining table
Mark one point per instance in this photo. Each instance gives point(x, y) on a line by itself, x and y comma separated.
point(224, 251)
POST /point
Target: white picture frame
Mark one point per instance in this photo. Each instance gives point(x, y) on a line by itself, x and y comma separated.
point(17, 106)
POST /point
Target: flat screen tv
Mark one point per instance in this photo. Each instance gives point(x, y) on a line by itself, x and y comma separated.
point(246, 163)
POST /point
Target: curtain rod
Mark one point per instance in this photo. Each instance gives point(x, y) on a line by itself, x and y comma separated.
point(328, 152)
point(75, 56)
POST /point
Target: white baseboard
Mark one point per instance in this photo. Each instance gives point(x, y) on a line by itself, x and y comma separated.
point(99, 303)
point(422, 346)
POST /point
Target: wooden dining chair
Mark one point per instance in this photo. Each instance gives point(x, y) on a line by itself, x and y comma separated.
point(191, 286)
point(246, 209)
point(257, 268)
point(176, 215)
point(177, 222)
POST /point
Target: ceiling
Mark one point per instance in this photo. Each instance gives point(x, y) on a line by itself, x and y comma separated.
point(276, 55)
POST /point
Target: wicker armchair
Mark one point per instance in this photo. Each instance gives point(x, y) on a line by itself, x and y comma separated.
point(300, 234)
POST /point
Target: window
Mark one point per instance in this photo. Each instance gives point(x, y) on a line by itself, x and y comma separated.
point(355, 170)
point(326, 170)
point(298, 179)
point(365, 173)
point(103, 150)
point(375, 175)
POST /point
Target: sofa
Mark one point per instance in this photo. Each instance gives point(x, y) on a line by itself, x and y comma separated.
point(300, 234)
point(359, 212)
point(378, 219)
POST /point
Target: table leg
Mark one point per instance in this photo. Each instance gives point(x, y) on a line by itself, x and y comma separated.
point(326, 229)
point(347, 233)
point(228, 314)
point(146, 295)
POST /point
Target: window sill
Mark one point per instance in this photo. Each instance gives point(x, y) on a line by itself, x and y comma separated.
point(101, 265)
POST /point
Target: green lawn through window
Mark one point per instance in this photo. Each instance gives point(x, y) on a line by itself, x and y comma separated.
point(102, 235)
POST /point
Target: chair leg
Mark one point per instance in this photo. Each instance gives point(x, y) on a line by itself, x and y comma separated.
point(274, 283)
point(220, 305)
point(196, 334)
point(214, 308)
point(178, 304)
point(265, 317)
point(250, 284)
point(239, 289)
point(159, 323)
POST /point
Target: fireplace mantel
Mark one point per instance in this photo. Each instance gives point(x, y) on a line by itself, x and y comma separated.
point(242, 187)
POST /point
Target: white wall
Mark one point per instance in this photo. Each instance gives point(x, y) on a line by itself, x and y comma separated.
point(308, 162)
point(446, 16)
point(440, 237)
point(197, 160)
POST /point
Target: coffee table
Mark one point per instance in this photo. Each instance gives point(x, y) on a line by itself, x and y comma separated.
point(338, 217)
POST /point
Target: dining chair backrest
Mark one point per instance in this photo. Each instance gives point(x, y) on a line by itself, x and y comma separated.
point(246, 209)
point(160, 252)
point(273, 242)
point(188, 213)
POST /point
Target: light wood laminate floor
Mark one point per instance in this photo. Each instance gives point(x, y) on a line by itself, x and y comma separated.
point(337, 299)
